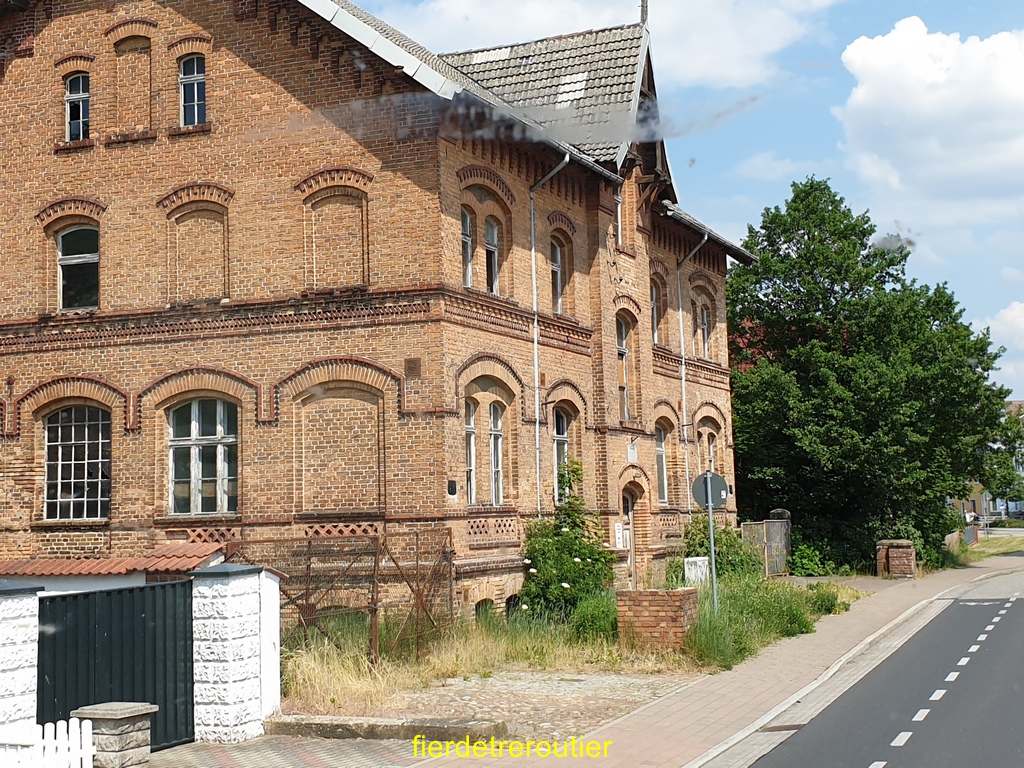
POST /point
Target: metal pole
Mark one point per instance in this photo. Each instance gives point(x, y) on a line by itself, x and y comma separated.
point(374, 603)
point(711, 530)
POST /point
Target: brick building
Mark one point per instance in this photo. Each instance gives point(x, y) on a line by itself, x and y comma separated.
point(270, 268)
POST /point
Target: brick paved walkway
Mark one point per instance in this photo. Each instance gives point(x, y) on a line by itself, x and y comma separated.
point(667, 733)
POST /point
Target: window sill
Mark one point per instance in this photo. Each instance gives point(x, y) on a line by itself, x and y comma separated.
point(483, 510)
point(338, 516)
point(73, 146)
point(128, 138)
point(632, 426)
point(189, 130)
point(70, 524)
point(626, 250)
point(174, 521)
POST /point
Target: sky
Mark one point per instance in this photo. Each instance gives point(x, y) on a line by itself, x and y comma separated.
point(913, 109)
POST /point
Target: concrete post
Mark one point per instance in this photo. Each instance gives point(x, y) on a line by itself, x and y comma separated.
point(19, 641)
point(226, 653)
point(120, 732)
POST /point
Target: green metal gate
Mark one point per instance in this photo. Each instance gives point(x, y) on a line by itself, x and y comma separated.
point(131, 644)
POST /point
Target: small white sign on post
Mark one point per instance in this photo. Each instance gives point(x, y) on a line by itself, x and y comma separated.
point(695, 570)
point(618, 536)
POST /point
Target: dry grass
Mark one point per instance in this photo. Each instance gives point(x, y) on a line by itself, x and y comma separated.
point(320, 678)
point(988, 546)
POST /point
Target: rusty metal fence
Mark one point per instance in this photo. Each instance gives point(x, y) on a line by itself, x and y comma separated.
point(395, 591)
point(772, 539)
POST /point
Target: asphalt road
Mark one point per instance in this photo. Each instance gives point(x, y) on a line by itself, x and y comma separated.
point(951, 696)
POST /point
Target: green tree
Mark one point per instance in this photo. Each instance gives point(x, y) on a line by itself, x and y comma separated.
point(564, 559)
point(999, 473)
point(862, 401)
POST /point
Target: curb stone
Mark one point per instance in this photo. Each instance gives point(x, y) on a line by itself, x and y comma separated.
point(433, 729)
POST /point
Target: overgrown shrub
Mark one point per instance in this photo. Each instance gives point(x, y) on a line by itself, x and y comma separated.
point(732, 554)
point(595, 618)
point(825, 599)
point(564, 559)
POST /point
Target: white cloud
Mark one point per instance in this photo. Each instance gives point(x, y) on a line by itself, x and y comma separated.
point(1007, 328)
point(934, 122)
point(718, 43)
point(766, 166)
point(1012, 275)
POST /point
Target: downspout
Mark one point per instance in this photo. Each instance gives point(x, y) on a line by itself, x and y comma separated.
point(536, 319)
point(682, 368)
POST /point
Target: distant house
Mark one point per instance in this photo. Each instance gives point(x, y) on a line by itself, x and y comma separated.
point(272, 269)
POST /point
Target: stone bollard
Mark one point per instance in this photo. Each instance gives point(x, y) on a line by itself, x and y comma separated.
point(896, 558)
point(120, 732)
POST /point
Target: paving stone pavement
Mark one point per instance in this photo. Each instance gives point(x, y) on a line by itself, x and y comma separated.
point(680, 728)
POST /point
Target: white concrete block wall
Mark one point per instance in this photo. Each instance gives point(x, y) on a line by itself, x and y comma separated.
point(270, 643)
point(227, 653)
point(19, 639)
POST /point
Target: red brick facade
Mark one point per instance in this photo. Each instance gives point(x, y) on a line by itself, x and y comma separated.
point(298, 256)
point(657, 618)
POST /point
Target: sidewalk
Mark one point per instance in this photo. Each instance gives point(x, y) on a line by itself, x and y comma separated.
point(669, 732)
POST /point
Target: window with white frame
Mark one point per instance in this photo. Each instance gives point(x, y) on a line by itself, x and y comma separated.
point(557, 276)
point(491, 250)
point(467, 249)
point(192, 86)
point(705, 330)
point(561, 440)
point(78, 267)
point(712, 438)
point(662, 465)
point(470, 452)
point(497, 446)
point(204, 458)
point(622, 333)
point(655, 311)
point(76, 106)
point(78, 463)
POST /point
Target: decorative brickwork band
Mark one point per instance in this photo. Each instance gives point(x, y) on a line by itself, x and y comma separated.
point(198, 43)
point(341, 530)
point(74, 62)
point(84, 387)
point(71, 206)
point(622, 301)
point(490, 178)
point(201, 190)
point(200, 379)
point(138, 27)
point(658, 267)
point(342, 176)
point(561, 221)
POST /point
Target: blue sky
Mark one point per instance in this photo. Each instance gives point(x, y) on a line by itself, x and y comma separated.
point(914, 110)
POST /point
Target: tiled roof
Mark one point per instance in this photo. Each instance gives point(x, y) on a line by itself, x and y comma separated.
point(582, 87)
point(741, 255)
point(169, 558)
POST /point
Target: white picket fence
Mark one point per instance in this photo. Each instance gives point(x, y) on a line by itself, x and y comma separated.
point(53, 745)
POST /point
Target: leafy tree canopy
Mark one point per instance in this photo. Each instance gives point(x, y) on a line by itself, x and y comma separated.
point(862, 401)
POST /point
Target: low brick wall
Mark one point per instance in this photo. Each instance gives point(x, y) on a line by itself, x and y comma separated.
point(896, 558)
point(656, 617)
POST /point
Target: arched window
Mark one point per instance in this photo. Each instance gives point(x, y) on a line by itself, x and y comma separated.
point(705, 330)
point(76, 106)
point(204, 458)
point(192, 86)
point(655, 311)
point(662, 464)
point(491, 244)
point(78, 267)
point(467, 249)
point(557, 276)
point(497, 446)
point(707, 439)
point(78, 463)
point(470, 452)
point(623, 329)
point(561, 440)
point(712, 439)
point(703, 326)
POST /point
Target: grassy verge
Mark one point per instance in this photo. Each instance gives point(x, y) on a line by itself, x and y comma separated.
point(988, 546)
point(333, 676)
point(754, 612)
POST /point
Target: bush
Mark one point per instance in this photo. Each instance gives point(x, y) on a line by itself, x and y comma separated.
point(595, 618)
point(825, 599)
point(732, 554)
point(564, 560)
point(1006, 523)
point(805, 560)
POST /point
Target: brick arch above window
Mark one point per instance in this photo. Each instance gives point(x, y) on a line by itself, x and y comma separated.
point(486, 364)
point(340, 176)
point(201, 190)
point(631, 306)
point(490, 178)
point(664, 410)
point(85, 207)
point(202, 379)
point(658, 267)
point(567, 390)
point(701, 279)
point(708, 410)
point(194, 43)
point(134, 27)
point(74, 62)
point(559, 220)
point(359, 370)
point(57, 390)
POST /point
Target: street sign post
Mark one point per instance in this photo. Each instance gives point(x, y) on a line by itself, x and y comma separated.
point(711, 490)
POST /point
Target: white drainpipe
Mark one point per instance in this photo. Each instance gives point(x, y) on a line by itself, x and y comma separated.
point(682, 368)
point(536, 319)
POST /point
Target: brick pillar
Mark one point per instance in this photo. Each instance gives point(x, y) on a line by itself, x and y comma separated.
point(226, 653)
point(19, 640)
point(896, 558)
point(120, 732)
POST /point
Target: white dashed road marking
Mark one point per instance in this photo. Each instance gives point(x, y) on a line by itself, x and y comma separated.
point(990, 627)
point(877, 765)
point(952, 676)
point(938, 694)
point(921, 715)
point(1002, 612)
point(973, 649)
point(997, 619)
point(982, 638)
point(963, 661)
point(902, 739)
